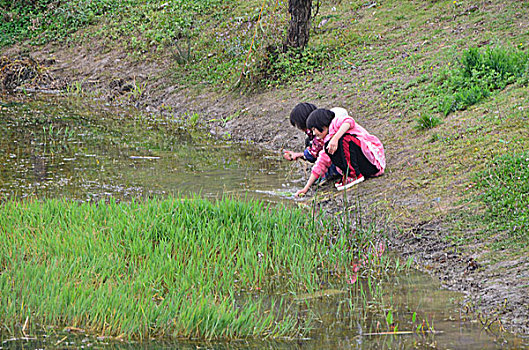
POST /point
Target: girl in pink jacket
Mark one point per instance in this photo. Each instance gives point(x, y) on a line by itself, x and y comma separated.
point(354, 151)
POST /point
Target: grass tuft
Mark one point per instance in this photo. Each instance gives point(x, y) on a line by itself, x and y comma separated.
point(427, 121)
point(480, 73)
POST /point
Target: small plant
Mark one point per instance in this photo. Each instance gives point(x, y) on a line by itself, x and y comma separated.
point(182, 53)
point(192, 119)
point(137, 90)
point(427, 121)
point(75, 88)
point(434, 138)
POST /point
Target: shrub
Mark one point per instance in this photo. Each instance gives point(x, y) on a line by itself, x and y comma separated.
point(276, 67)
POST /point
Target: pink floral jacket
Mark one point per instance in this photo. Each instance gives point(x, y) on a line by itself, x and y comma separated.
point(370, 144)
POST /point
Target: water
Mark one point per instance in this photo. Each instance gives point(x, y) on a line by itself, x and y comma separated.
point(56, 148)
point(339, 328)
point(51, 148)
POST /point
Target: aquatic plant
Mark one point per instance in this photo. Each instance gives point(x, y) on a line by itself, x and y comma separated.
point(178, 267)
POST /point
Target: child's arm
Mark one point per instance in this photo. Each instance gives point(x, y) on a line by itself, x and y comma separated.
point(318, 170)
point(289, 155)
point(333, 143)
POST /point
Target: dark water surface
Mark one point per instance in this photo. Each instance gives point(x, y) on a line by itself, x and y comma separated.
point(51, 147)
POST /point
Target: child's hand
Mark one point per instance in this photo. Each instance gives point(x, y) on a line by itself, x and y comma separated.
point(301, 192)
point(288, 155)
point(332, 146)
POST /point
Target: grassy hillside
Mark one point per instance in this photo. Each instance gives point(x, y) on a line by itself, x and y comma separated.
point(444, 84)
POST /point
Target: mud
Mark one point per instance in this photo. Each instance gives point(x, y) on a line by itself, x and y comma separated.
point(24, 72)
point(497, 292)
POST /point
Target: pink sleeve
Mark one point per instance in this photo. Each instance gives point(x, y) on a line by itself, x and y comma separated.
point(351, 122)
point(338, 122)
point(322, 164)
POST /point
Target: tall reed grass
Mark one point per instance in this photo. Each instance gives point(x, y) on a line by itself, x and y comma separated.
point(172, 267)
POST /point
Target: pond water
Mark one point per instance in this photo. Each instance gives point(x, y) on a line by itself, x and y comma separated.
point(51, 147)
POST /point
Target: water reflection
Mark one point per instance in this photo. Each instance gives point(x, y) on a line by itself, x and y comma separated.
point(53, 148)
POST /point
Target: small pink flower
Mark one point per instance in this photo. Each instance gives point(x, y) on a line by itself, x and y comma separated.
point(352, 280)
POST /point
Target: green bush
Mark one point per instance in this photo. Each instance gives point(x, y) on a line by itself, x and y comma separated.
point(277, 67)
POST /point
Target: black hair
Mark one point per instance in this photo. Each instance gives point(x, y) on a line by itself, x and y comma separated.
point(319, 119)
point(300, 113)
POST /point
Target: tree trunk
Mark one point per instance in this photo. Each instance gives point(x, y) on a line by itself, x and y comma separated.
point(299, 26)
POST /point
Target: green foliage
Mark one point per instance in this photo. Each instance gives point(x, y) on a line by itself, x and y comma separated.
point(47, 20)
point(479, 73)
point(278, 67)
point(158, 22)
point(504, 189)
point(194, 268)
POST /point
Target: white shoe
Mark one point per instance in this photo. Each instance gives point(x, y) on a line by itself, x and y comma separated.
point(349, 182)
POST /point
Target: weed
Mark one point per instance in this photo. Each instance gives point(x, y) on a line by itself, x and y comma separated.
point(278, 67)
point(182, 54)
point(479, 74)
point(427, 121)
point(137, 90)
point(434, 138)
point(75, 88)
point(192, 119)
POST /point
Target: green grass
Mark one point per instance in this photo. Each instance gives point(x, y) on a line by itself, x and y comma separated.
point(504, 189)
point(170, 268)
point(479, 73)
point(427, 121)
point(159, 22)
point(398, 60)
point(223, 44)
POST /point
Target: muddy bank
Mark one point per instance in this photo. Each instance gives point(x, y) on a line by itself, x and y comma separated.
point(497, 293)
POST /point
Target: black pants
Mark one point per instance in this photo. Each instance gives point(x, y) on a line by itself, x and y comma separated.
point(350, 158)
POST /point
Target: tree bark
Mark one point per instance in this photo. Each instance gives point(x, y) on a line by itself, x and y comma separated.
point(299, 26)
